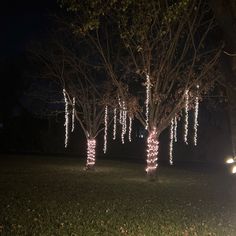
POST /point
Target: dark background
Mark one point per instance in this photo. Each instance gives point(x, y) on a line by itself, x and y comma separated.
point(22, 131)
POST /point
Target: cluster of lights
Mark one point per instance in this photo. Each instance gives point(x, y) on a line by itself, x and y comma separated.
point(148, 87)
point(114, 124)
point(186, 117)
point(91, 152)
point(123, 122)
point(121, 111)
point(105, 131)
point(171, 142)
point(175, 129)
point(152, 151)
point(130, 128)
point(196, 109)
point(73, 115)
point(232, 161)
point(66, 124)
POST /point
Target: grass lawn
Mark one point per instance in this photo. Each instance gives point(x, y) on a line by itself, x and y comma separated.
point(54, 196)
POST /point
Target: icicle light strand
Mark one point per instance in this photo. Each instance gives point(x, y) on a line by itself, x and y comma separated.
point(186, 117)
point(114, 124)
point(152, 151)
point(66, 124)
point(148, 87)
point(124, 125)
point(73, 115)
point(91, 145)
point(105, 131)
point(171, 142)
point(130, 128)
point(196, 110)
point(175, 129)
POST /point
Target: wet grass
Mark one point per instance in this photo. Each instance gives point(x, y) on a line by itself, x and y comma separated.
point(54, 196)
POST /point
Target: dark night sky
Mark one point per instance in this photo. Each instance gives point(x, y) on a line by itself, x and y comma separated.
point(21, 22)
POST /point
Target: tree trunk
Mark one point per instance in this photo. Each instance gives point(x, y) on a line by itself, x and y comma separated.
point(91, 154)
point(152, 155)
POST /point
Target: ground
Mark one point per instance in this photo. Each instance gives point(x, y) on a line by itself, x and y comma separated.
point(55, 196)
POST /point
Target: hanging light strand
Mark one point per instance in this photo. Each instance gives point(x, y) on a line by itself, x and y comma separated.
point(152, 151)
point(73, 115)
point(124, 125)
point(105, 131)
point(66, 124)
point(171, 142)
point(120, 110)
point(196, 111)
point(91, 145)
point(175, 129)
point(148, 87)
point(114, 124)
point(130, 128)
point(186, 117)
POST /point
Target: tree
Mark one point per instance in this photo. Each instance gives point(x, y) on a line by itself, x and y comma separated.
point(163, 45)
point(83, 91)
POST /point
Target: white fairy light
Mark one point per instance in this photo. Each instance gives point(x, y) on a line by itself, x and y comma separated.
point(66, 124)
point(175, 128)
point(124, 125)
point(148, 87)
point(230, 161)
point(73, 115)
point(121, 110)
point(171, 142)
point(186, 117)
point(91, 145)
point(114, 125)
point(105, 131)
point(233, 169)
point(152, 151)
point(196, 110)
point(130, 128)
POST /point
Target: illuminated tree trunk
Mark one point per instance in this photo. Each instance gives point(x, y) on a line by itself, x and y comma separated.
point(91, 153)
point(152, 154)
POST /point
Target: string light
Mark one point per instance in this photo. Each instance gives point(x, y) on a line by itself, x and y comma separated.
point(171, 142)
point(124, 126)
point(175, 129)
point(148, 86)
point(66, 124)
point(130, 128)
point(234, 170)
point(186, 117)
point(91, 145)
point(230, 161)
point(105, 131)
point(114, 125)
point(152, 151)
point(196, 118)
point(121, 110)
point(73, 115)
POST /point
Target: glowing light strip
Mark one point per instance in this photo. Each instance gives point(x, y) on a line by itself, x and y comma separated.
point(66, 124)
point(114, 125)
point(105, 131)
point(124, 126)
point(121, 110)
point(171, 142)
point(152, 151)
point(130, 128)
point(73, 116)
point(196, 119)
point(91, 145)
point(148, 86)
point(186, 117)
point(175, 129)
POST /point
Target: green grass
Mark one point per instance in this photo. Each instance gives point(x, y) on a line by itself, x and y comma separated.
point(54, 196)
